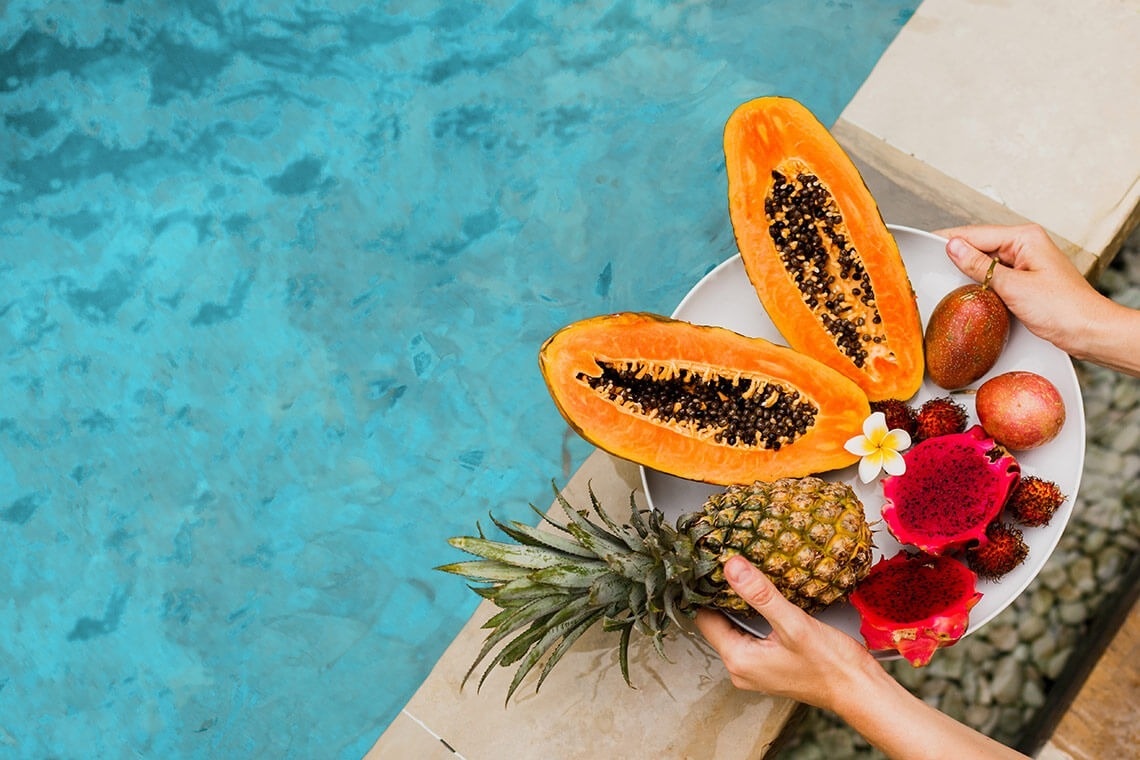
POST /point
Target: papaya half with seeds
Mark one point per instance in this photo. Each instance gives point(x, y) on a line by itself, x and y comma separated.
point(702, 403)
point(825, 266)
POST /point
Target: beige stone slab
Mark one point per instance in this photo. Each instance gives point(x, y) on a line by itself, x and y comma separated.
point(1031, 103)
point(407, 738)
point(904, 187)
point(686, 708)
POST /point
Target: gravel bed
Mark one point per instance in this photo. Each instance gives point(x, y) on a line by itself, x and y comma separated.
point(998, 678)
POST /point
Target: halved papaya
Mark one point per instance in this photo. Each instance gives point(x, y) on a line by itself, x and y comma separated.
point(825, 266)
point(702, 403)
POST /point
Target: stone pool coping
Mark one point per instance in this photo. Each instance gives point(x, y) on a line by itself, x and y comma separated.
point(977, 112)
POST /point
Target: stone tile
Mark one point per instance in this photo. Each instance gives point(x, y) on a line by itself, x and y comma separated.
point(1028, 103)
point(406, 738)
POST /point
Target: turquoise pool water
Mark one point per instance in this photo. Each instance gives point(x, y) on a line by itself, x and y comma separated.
point(272, 281)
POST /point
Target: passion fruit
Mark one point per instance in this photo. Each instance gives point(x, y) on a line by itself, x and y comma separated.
point(1020, 410)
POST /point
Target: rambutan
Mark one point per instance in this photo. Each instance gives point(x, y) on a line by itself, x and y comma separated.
point(900, 415)
point(939, 416)
point(1035, 501)
point(1004, 550)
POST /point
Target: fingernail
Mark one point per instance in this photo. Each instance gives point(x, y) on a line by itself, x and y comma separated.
point(957, 247)
point(738, 570)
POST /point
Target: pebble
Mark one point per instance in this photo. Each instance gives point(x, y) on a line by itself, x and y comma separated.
point(1006, 680)
point(1095, 540)
point(1109, 564)
point(837, 743)
point(1081, 574)
point(1043, 648)
point(952, 703)
point(1074, 613)
point(1056, 664)
point(1126, 437)
point(1032, 695)
point(981, 718)
point(946, 667)
point(1002, 636)
point(1031, 628)
point(1041, 602)
point(1053, 575)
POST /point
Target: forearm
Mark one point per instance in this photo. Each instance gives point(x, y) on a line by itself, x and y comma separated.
point(1111, 338)
point(904, 727)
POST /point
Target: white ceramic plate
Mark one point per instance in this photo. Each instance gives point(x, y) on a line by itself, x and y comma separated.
point(725, 297)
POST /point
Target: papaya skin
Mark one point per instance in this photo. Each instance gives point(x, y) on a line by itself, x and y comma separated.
point(572, 355)
point(779, 134)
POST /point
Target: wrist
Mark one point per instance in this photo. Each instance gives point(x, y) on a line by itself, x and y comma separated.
point(857, 687)
point(1108, 337)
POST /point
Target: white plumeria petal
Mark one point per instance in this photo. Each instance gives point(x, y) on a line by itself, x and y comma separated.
point(896, 440)
point(893, 462)
point(875, 427)
point(860, 446)
point(870, 465)
point(878, 448)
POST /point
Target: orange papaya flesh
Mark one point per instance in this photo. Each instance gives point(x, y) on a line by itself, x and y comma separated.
point(702, 403)
point(816, 249)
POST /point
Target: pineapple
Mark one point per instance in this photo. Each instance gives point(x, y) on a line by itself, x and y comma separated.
point(810, 536)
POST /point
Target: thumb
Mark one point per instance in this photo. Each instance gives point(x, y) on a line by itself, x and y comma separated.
point(761, 594)
point(973, 263)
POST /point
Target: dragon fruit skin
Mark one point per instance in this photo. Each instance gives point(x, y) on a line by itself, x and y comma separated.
point(953, 487)
point(914, 604)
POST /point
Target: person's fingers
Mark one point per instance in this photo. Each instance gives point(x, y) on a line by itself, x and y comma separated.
point(761, 594)
point(717, 629)
point(987, 238)
point(973, 263)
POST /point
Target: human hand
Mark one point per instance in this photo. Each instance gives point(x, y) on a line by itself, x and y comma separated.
point(802, 658)
point(1037, 282)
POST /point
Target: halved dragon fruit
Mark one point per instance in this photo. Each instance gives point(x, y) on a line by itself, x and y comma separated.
point(915, 603)
point(953, 487)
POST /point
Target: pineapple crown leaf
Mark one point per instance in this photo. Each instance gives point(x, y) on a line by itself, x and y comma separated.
point(534, 651)
point(515, 555)
point(492, 639)
point(510, 654)
point(637, 599)
point(512, 618)
point(631, 539)
point(544, 518)
point(608, 590)
point(516, 592)
point(591, 536)
point(637, 516)
point(576, 575)
point(598, 545)
point(530, 536)
point(623, 653)
point(563, 646)
point(485, 571)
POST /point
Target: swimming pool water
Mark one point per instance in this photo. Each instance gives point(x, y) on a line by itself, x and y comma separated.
point(272, 282)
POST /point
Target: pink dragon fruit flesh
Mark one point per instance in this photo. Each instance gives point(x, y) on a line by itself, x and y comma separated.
point(914, 604)
point(953, 487)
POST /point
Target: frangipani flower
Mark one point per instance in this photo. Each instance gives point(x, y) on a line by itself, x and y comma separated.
point(879, 448)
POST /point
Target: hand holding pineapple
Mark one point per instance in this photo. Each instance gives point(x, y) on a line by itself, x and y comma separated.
point(802, 659)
